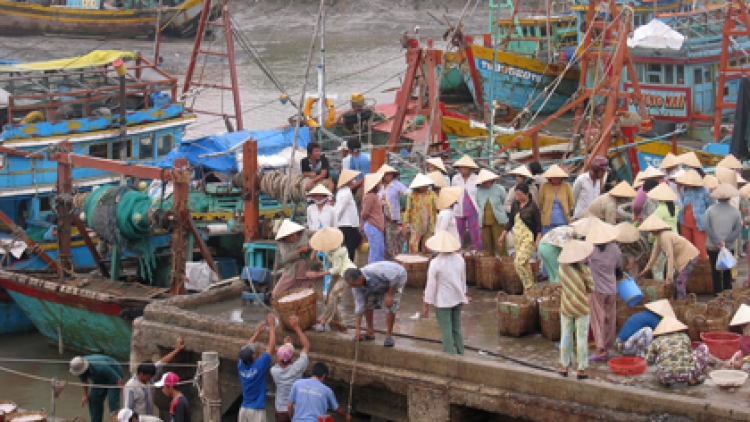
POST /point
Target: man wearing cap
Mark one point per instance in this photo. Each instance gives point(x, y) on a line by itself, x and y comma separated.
point(285, 373)
point(345, 211)
point(252, 368)
point(373, 286)
point(128, 415)
point(179, 407)
point(588, 186)
point(358, 162)
point(345, 158)
point(311, 398)
point(99, 370)
point(294, 248)
point(139, 391)
point(315, 167)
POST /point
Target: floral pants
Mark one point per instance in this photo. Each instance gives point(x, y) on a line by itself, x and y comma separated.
point(578, 329)
point(700, 355)
point(637, 344)
point(524, 249)
point(681, 278)
point(394, 239)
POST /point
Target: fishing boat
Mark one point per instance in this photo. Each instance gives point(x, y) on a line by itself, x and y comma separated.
point(100, 18)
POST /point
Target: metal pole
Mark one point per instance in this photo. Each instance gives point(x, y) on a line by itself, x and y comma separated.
point(322, 111)
point(212, 405)
point(157, 36)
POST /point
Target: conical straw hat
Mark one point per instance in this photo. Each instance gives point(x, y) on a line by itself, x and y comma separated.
point(554, 171)
point(662, 308)
point(710, 181)
point(602, 233)
point(653, 173)
point(438, 179)
point(742, 316)
point(520, 171)
point(372, 180)
point(327, 239)
point(437, 162)
point(320, 190)
point(669, 161)
point(346, 176)
point(669, 324)
point(741, 180)
point(575, 251)
point(443, 241)
point(448, 196)
point(690, 159)
point(420, 181)
point(485, 176)
point(690, 178)
point(725, 175)
point(653, 223)
point(466, 161)
point(385, 168)
point(583, 226)
point(662, 193)
point(638, 182)
point(745, 191)
point(627, 233)
point(677, 174)
point(730, 162)
point(288, 227)
point(725, 191)
point(623, 190)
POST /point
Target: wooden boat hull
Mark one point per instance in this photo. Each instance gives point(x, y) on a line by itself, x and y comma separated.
point(34, 19)
point(12, 318)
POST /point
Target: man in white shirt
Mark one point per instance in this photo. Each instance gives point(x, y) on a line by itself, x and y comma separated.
point(139, 390)
point(345, 211)
point(588, 186)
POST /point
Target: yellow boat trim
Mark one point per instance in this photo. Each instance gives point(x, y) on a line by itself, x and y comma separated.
point(637, 9)
point(462, 128)
point(539, 21)
point(662, 148)
point(515, 60)
point(52, 246)
point(95, 20)
point(92, 59)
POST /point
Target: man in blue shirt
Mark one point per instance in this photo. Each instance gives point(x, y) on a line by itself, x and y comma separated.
point(311, 398)
point(252, 367)
point(358, 161)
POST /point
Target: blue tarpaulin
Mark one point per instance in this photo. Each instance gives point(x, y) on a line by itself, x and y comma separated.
point(270, 142)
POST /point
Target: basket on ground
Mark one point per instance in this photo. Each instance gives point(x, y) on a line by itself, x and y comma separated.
point(700, 281)
point(510, 280)
point(701, 319)
point(728, 378)
point(549, 317)
point(471, 267)
point(627, 365)
point(416, 267)
point(6, 407)
point(723, 345)
point(26, 416)
point(487, 273)
point(654, 290)
point(516, 315)
point(681, 305)
point(624, 312)
point(300, 302)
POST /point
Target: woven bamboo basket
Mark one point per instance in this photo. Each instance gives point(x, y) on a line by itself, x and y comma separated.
point(471, 268)
point(516, 315)
point(700, 281)
point(654, 289)
point(416, 266)
point(701, 319)
point(549, 317)
point(680, 306)
point(487, 273)
point(27, 416)
point(7, 406)
point(305, 308)
point(624, 312)
point(510, 280)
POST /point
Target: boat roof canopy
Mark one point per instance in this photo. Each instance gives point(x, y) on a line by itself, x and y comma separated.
point(94, 59)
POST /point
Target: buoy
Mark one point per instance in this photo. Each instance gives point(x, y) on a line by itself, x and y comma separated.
point(330, 115)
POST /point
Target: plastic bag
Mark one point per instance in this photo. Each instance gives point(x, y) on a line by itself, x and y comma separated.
point(726, 260)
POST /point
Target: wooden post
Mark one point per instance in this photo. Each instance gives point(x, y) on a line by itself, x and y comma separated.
point(249, 189)
point(212, 404)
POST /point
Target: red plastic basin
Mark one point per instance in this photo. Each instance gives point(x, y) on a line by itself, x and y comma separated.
point(721, 344)
point(627, 365)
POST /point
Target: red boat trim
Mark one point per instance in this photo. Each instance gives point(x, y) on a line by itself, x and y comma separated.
point(474, 75)
point(62, 298)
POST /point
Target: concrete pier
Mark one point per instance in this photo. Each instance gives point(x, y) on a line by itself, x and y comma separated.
point(415, 381)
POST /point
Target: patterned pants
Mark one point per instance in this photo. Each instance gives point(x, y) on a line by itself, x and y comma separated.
point(332, 312)
point(394, 240)
point(681, 278)
point(416, 242)
point(524, 249)
point(470, 222)
point(700, 355)
point(577, 328)
point(659, 268)
point(637, 344)
point(377, 243)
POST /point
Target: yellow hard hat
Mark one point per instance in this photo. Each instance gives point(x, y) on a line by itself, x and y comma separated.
point(142, 186)
point(357, 97)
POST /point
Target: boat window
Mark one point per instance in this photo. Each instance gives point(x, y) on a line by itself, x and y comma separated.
point(639, 72)
point(708, 75)
point(726, 90)
point(99, 150)
point(669, 74)
point(45, 203)
point(117, 147)
point(654, 73)
point(145, 147)
point(680, 74)
point(733, 63)
point(698, 75)
point(165, 144)
point(543, 31)
point(636, 21)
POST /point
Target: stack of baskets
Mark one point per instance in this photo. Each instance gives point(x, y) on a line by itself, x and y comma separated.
point(703, 318)
point(516, 315)
point(416, 266)
point(510, 280)
point(680, 306)
point(654, 290)
point(487, 269)
point(700, 281)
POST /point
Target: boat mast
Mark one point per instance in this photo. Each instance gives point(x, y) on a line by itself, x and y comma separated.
point(157, 34)
point(322, 109)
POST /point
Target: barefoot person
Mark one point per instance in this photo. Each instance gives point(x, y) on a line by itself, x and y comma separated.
point(296, 255)
point(329, 240)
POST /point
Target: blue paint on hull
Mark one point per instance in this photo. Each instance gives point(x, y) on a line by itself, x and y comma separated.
point(82, 330)
point(12, 319)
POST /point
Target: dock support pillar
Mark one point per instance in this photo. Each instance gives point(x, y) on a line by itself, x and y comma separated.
point(211, 397)
point(428, 404)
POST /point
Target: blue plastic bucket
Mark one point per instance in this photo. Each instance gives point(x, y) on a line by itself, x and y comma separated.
point(629, 291)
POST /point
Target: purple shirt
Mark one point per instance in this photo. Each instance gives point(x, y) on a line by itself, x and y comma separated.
point(392, 192)
point(640, 199)
point(602, 265)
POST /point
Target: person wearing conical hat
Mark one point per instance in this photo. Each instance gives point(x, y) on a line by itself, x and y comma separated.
point(420, 213)
point(446, 220)
point(730, 162)
point(670, 163)
point(676, 361)
point(438, 181)
point(525, 222)
point(662, 203)
point(320, 213)
point(605, 207)
point(522, 174)
point(588, 186)
point(604, 264)
point(577, 284)
point(330, 241)
point(390, 193)
point(293, 243)
point(345, 210)
point(373, 218)
point(556, 200)
point(681, 255)
point(652, 174)
point(637, 332)
point(550, 247)
point(490, 199)
point(446, 289)
point(723, 224)
point(690, 159)
point(467, 210)
point(741, 318)
point(695, 199)
point(435, 164)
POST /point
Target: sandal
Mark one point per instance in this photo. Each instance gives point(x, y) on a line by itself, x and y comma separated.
point(563, 372)
point(389, 342)
point(581, 376)
point(364, 337)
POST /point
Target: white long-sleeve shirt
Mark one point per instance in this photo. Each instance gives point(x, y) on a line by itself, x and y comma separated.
point(319, 218)
point(446, 220)
point(346, 209)
point(446, 281)
point(584, 192)
point(469, 186)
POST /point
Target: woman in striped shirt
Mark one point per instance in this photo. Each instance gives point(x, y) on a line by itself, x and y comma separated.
point(577, 283)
